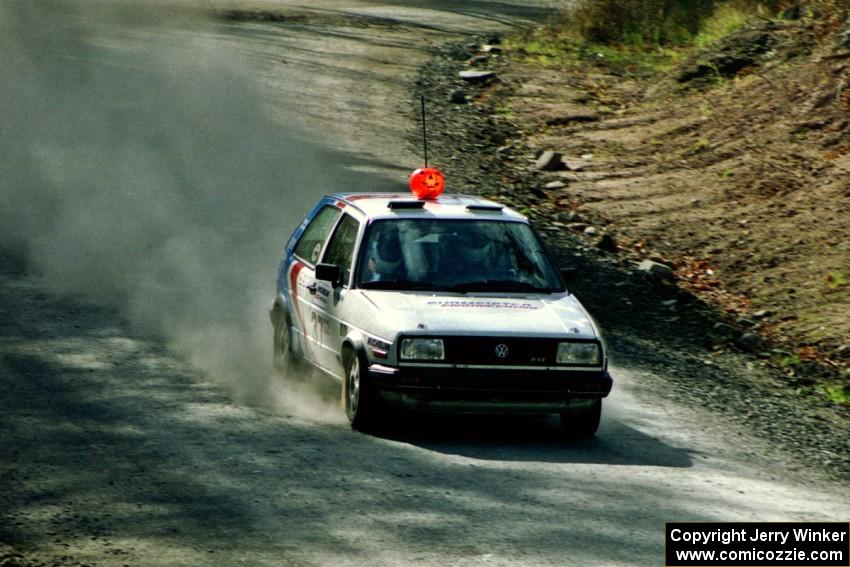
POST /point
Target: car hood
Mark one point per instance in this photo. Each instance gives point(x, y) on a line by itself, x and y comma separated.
point(556, 315)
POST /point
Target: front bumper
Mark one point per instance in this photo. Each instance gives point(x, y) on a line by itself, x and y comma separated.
point(490, 390)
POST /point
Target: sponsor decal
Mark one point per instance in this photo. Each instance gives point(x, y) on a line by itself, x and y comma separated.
point(321, 324)
point(484, 304)
point(377, 343)
point(322, 293)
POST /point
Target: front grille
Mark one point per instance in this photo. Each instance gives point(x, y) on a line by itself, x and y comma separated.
point(508, 351)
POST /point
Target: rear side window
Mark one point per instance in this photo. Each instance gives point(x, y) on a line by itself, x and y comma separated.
point(310, 245)
point(341, 246)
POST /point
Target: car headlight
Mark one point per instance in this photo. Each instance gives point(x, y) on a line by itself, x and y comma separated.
point(422, 349)
point(578, 353)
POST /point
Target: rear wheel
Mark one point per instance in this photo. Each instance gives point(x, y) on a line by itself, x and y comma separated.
point(358, 397)
point(582, 424)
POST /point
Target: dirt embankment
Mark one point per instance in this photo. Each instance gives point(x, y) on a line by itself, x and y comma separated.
point(733, 169)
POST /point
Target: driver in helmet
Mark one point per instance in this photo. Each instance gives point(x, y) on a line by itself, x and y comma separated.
point(474, 249)
point(475, 255)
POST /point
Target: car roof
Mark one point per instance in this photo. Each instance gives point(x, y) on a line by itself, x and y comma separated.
point(405, 205)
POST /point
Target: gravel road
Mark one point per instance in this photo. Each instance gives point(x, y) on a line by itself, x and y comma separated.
point(160, 160)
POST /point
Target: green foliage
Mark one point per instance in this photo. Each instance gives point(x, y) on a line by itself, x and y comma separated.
point(643, 37)
point(697, 147)
point(541, 47)
point(835, 393)
point(635, 60)
point(653, 23)
point(642, 22)
point(835, 280)
point(505, 111)
point(718, 76)
point(727, 18)
point(550, 47)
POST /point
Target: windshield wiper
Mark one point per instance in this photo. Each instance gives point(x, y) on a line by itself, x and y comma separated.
point(402, 285)
point(500, 285)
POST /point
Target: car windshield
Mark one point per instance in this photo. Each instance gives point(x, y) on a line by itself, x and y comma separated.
point(455, 255)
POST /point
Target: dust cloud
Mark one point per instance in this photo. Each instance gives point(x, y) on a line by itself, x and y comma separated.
point(141, 168)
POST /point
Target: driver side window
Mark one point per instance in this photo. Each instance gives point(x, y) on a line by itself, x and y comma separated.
point(310, 245)
point(340, 249)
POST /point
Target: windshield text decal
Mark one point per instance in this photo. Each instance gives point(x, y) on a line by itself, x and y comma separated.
point(486, 304)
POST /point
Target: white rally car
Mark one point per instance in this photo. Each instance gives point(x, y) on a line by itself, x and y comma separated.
point(449, 304)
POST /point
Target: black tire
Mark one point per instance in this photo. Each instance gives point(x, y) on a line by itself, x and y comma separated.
point(282, 355)
point(582, 424)
point(359, 398)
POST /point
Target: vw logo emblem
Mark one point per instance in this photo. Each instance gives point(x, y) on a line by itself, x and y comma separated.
point(502, 350)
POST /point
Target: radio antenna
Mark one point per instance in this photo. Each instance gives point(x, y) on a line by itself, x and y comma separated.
point(424, 132)
point(426, 182)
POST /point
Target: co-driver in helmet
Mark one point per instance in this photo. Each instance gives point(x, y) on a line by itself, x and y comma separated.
point(385, 261)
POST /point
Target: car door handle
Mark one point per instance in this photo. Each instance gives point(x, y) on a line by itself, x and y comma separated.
point(312, 288)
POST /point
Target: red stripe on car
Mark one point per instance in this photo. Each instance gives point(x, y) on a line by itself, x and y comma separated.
point(293, 290)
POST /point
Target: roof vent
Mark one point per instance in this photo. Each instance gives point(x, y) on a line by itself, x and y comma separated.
point(485, 208)
point(406, 204)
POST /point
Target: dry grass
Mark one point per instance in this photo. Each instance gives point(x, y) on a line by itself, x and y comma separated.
point(653, 23)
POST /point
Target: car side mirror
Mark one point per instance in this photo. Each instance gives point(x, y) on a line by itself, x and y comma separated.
point(328, 273)
point(569, 275)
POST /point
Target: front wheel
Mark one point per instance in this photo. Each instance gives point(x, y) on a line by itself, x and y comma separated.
point(358, 397)
point(582, 424)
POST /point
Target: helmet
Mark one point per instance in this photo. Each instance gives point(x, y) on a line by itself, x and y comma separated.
point(387, 253)
point(473, 247)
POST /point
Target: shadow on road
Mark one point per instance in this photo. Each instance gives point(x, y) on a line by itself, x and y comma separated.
point(109, 440)
point(534, 439)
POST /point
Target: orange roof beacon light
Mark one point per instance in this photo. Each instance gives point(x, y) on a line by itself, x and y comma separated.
point(427, 183)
